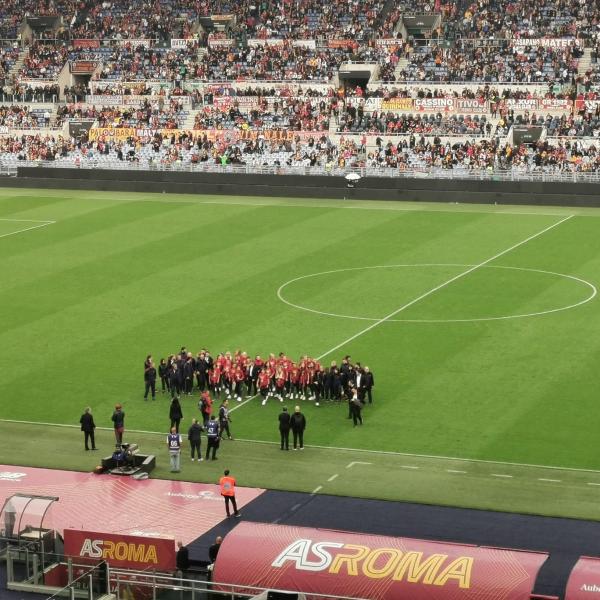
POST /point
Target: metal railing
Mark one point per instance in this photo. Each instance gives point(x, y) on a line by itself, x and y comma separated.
point(458, 173)
point(124, 582)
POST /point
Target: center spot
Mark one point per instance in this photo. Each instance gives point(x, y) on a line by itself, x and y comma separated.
point(486, 293)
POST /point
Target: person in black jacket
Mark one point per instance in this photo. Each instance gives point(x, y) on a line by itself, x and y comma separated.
point(298, 425)
point(118, 419)
point(174, 380)
point(188, 374)
point(194, 437)
point(163, 373)
point(368, 383)
point(175, 413)
point(224, 420)
point(182, 559)
point(149, 378)
point(88, 426)
point(284, 428)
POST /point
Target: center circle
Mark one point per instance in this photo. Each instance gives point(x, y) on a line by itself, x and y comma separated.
point(319, 282)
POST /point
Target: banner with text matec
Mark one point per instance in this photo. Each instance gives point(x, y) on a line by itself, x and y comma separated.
point(121, 551)
point(317, 561)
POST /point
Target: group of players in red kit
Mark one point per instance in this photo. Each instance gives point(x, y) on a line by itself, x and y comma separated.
point(276, 377)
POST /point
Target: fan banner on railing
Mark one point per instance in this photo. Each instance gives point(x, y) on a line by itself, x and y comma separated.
point(584, 581)
point(121, 551)
point(320, 562)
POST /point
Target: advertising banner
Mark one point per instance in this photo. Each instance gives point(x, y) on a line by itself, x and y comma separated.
point(385, 42)
point(342, 44)
point(435, 104)
point(219, 43)
point(86, 43)
point(104, 99)
point(136, 43)
point(319, 562)
point(83, 66)
point(121, 551)
point(546, 42)
point(406, 104)
point(111, 133)
point(584, 581)
point(369, 104)
point(555, 104)
point(181, 43)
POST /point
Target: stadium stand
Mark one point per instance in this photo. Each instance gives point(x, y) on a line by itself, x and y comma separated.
point(370, 84)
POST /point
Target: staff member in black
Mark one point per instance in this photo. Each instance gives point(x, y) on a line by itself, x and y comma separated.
point(150, 378)
point(163, 373)
point(194, 437)
point(174, 380)
point(224, 419)
point(251, 379)
point(368, 383)
point(88, 426)
point(118, 419)
point(356, 408)
point(284, 428)
point(175, 413)
point(298, 425)
point(212, 437)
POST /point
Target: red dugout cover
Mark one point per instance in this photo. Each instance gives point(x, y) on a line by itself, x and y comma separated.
point(584, 581)
point(319, 561)
point(121, 551)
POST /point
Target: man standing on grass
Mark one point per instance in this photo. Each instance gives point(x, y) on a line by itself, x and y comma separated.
point(224, 419)
point(118, 419)
point(284, 428)
point(227, 484)
point(298, 425)
point(194, 437)
point(212, 437)
point(174, 446)
point(88, 426)
point(149, 378)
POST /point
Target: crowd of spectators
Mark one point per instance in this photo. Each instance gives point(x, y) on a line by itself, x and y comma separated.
point(498, 63)
point(22, 92)
point(486, 155)
point(23, 117)
point(354, 120)
point(286, 113)
point(155, 114)
point(415, 153)
point(44, 60)
point(138, 63)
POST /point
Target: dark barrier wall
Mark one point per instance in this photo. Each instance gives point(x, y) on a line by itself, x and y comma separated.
point(313, 186)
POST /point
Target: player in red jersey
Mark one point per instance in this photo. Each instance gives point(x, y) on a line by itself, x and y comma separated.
point(264, 381)
point(294, 377)
point(214, 380)
point(279, 383)
point(239, 376)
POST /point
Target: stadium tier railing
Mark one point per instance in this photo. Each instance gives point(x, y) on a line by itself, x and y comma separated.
point(537, 174)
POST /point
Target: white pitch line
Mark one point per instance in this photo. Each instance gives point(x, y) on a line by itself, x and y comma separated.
point(28, 220)
point(593, 483)
point(343, 449)
point(409, 467)
point(317, 489)
point(454, 471)
point(550, 480)
point(501, 475)
point(428, 207)
point(27, 229)
point(333, 477)
point(441, 286)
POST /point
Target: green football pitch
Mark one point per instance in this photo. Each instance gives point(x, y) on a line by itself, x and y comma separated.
point(481, 325)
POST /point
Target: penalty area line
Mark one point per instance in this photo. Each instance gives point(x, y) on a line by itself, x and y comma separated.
point(44, 224)
point(343, 449)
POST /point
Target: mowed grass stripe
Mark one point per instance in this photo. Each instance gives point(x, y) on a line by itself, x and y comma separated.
point(76, 269)
point(263, 465)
